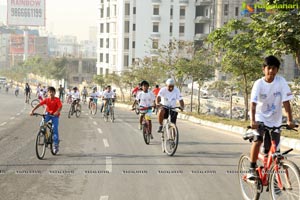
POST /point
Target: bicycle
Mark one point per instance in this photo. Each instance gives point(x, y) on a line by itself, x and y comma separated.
point(93, 106)
point(136, 108)
point(109, 110)
point(35, 102)
point(44, 138)
point(146, 123)
point(75, 108)
point(170, 134)
point(279, 175)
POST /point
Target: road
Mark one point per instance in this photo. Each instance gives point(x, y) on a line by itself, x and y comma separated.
point(102, 160)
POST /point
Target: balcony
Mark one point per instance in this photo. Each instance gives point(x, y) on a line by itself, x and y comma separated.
point(155, 18)
point(202, 19)
point(185, 2)
point(200, 36)
point(156, 1)
point(204, 2)
point(155, 35)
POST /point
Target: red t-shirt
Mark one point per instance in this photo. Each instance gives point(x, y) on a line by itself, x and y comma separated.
point(155, 91)
point(52, 105)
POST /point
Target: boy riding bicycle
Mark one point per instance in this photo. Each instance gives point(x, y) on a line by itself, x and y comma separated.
point(267, 96)
point(53, 108)
point(145, 98)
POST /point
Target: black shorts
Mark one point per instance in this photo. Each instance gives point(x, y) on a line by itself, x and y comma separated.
point(173, 115)
point(264, 136)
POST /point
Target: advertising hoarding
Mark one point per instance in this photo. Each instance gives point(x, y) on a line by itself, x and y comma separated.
point(26, 12)
point(17, 45)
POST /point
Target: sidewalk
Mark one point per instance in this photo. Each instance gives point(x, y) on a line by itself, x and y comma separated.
point(284, 141)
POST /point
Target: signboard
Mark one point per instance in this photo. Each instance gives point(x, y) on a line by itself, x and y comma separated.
point(26, 12)
point(17, 44)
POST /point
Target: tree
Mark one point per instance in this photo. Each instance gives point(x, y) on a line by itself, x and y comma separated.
point(278, 32)
point(240, 55)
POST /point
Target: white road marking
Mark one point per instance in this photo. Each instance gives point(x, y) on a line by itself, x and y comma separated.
point(95, 123)
point(2, 124)
point(99, 130)
point(105, 141)
point(104, 198)
point(12, 118)
point(108, 164)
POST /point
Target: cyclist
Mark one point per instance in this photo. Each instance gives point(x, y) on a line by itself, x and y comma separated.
point(267, 96)
point(27, 92)
point(145, 99)
point(17, 90)
point(155, 92)
point(94, 96)
point(53, 108)
point(136, 90)
point(84, 93)
point(69, 96)
point(107, 94)
point(168, 96)
point(75, 97)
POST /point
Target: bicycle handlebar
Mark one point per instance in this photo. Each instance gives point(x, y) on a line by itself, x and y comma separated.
point(43, 115)
point(172, 108)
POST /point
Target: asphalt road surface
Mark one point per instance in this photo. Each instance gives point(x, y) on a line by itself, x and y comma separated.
point(101, 160)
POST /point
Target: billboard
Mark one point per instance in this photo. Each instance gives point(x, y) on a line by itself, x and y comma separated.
point(26, 12)
point(17, 44)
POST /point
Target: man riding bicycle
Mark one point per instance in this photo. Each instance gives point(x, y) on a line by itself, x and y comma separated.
point(145, 99)
point(267, 96)
point(53, 108)
point(107, 95)
point(168, 96)
point(75, 96)
point(94, 96)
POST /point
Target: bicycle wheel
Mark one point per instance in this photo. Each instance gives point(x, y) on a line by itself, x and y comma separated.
point(171, 140)
point(146, 134)
point(70, 112)
point(112, 115)
point(136, 109)
point(51, 142)
point(285, 183)
point(34, 102)
point(94, 108)
point(248, 188)
point(40, 145)
point(78, 110)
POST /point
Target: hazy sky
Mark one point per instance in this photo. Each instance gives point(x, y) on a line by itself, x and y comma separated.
point(70, 17)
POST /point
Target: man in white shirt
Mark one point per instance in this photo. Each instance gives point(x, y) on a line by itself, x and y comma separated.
point(168, 96)
point(75, 96)
point(94, 96)
point(107, 95)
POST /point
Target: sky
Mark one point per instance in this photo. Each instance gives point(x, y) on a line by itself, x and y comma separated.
point(68, 17)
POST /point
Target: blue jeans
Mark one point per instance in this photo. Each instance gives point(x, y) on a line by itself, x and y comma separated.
point(55, 123)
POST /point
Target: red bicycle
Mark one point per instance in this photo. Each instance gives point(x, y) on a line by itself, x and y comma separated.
point(279, 175)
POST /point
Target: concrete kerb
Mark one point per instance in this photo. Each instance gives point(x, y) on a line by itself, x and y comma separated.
point(287, 142)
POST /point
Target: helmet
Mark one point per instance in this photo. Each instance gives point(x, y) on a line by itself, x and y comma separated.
point(75, 88)
point(170, 82)
point(144, 83)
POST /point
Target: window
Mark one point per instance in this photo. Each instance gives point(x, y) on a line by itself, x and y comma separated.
point(199, 28)
point(134, 10)
point(126, 26)
point(107, 58)
point(126, 43)
point(181, 29)
point(114, 60)
point(156, 10)
point(226, 9)
point(155, 27)
point(108, 12)
point(114, 43)
point(127, 9)
point(106, 71)
point(101, 13)
point(236, 11)
point(171, 29)
point(133, 27)
point(107, 27)
point(101, 57)
point(155, 44)
point(182, 12)
point(107, 42)
point(171, 12)
point(101, 42)
point(133, 44)
point(101, 28)
point(126, 60)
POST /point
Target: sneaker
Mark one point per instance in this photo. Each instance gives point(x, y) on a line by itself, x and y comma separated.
point(159, 130)
point(140, 126)
point(56, 149)
point(251, 175)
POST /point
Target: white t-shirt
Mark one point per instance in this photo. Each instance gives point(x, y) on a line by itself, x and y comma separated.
point(95, 94)
point(269, 98)
point(146, 99)
point(75, 95)
point(169, 98)
point(108, 95)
